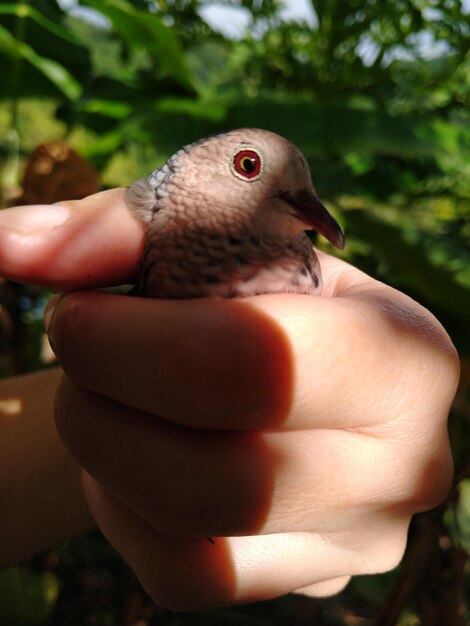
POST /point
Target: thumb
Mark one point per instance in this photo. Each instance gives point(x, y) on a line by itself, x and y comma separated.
point(94, 242)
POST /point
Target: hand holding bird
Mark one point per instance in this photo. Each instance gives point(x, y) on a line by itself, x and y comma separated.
point(289, 426)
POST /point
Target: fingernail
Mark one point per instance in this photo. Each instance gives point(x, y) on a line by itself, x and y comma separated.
point(33, 217)
point(49, 311)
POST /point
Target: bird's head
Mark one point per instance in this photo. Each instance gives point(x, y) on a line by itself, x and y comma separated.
point(260, 177)
point(253, 178)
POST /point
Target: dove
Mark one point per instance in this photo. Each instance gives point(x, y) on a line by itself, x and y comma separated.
point(226, 216)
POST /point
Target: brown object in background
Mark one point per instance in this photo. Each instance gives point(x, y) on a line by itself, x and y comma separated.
point(55, 172)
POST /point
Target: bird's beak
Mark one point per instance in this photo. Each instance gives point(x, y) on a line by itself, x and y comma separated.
point(312, 212)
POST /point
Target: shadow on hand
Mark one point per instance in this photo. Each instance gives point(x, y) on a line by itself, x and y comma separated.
point(185, 482)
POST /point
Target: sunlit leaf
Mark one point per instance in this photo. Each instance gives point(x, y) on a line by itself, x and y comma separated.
point(142, 29)
point(109, 108)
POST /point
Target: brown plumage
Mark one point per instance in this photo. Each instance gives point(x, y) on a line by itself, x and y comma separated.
point(226, 217)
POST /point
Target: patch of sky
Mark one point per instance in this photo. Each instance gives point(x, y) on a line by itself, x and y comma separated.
point(233, 21)
point(73, 8)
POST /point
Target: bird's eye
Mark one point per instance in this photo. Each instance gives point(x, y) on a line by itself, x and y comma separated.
point(247, 164)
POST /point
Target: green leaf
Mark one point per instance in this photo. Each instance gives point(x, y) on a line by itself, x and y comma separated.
point(114, 109)
point(143, 29)
point(457, 517)
point(26, 597)
point(49, 69)
point(46, 36)
point(22, 10)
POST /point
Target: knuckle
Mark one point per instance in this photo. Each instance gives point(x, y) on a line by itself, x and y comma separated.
point(406, 317)
point(387, 552)
point(433, 481)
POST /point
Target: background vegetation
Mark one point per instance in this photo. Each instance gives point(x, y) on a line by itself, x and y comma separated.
point(376, 94)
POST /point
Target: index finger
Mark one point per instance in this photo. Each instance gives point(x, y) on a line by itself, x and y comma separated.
point(258, 362)
point(94, 242)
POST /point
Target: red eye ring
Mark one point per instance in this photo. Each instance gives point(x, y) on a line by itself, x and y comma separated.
point(248, 164)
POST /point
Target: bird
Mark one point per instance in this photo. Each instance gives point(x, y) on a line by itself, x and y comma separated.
point(226, 217)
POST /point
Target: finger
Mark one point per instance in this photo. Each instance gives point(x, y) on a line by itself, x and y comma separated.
point(170, 474)
point(261, 362)
point(197, 483)
point(184, 574)
point(203, 362)
point(338, 276)
point(92, 242)
point(325, 588)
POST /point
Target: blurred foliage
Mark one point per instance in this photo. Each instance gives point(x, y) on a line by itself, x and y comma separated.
point(27, 597)
point(377, 96)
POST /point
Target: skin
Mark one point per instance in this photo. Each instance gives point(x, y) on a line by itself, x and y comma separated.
point(42, 500)
point(301, 432)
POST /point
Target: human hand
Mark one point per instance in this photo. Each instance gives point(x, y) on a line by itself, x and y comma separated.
point(301, 432)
